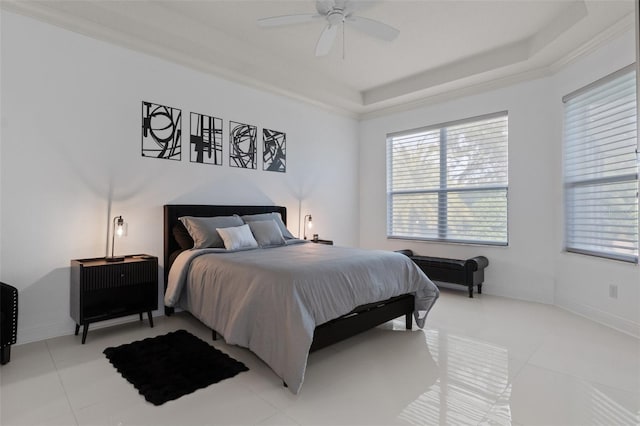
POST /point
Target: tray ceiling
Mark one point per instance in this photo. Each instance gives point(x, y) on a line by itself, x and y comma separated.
point(444, 47)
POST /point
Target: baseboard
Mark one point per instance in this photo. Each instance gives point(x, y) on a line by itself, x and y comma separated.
point(39, 332)
point(66, 328)
point(605, 318)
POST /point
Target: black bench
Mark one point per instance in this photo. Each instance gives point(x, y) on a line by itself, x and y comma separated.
point(8, 320)
point(468, 272)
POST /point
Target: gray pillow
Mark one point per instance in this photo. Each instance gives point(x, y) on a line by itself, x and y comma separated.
point(267, 233)
point(203, 229)
point(269, 216)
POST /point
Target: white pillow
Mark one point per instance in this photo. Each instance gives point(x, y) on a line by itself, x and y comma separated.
point(237, 237)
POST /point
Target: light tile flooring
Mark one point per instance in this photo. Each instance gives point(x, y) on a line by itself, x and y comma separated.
point(481, 361)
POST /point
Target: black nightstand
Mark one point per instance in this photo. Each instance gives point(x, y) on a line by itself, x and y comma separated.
point(326, 242)
point(102, 290)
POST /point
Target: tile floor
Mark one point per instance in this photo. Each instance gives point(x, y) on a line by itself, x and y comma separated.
point(481, 361)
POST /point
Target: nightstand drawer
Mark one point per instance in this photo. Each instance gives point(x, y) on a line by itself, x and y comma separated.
point(117, 275)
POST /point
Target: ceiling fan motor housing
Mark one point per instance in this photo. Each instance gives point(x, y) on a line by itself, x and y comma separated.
point(336, 16)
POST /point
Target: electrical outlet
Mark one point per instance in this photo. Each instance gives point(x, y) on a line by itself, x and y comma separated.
point(613, 291)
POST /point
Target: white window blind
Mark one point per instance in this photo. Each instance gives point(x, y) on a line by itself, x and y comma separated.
point(601, 168)
point(449, 182)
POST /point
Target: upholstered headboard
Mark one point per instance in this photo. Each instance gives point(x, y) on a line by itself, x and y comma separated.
point(174, 211)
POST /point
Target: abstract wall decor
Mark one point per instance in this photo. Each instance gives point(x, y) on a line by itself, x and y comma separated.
point(206, 139)
point(161, 131)
point(274, 151)
point(242, 145)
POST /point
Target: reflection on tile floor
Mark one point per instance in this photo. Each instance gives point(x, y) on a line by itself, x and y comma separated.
point(481, 361)
point(477, 375)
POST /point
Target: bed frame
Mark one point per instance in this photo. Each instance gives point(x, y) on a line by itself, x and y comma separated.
point(360, 319)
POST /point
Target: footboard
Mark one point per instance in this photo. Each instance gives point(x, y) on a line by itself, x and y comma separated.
point(363, 318)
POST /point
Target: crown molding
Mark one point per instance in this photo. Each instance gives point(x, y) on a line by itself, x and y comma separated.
point(611, 33)
point(482, 62)
point(602, 38)
point(467, 90)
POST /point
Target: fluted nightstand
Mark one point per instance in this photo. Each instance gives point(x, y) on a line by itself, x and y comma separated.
point(102, 290)
point(326, 242)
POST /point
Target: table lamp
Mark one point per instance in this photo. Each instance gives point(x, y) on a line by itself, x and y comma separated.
point(118, 229)
point(308, 222)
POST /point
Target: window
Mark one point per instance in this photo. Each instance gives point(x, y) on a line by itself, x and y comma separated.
point(449, 182)
point(601, 169)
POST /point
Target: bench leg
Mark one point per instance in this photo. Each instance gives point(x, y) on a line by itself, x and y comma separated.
point(479, 288)
point(408, 321)
point(471, 291)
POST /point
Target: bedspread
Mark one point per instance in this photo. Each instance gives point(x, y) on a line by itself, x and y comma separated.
point(271, 300)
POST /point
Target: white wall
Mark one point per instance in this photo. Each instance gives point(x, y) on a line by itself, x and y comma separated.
point(521, 269)
point(582, 281)
point(71, 160)
point(533, 266)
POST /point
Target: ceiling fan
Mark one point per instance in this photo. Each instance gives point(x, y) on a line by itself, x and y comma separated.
point(336, 13)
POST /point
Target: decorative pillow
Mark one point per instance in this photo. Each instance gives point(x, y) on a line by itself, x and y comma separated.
point(267, 233)
point(238, 237)
point(270, 216)
point(182, 236)
point(203, 229)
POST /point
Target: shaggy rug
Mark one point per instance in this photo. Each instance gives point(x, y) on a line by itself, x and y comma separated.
point(167, 367)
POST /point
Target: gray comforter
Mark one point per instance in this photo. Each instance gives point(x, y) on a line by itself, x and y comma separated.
point(271, 300)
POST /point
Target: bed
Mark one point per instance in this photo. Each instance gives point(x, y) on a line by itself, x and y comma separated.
point(286, 301)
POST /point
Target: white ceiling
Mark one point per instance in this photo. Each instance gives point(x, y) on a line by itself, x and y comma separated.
point(444, 47)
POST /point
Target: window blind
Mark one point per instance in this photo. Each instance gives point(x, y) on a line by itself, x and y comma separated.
point(601, 168)
point(449, 182)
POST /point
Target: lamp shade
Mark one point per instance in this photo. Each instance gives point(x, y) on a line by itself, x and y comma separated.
point(308, 224)
point(118, 229)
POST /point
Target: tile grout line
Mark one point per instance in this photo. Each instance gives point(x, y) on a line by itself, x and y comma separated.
point(256, 394)
point(66, 395)
point(566, 373)
point(584, 380)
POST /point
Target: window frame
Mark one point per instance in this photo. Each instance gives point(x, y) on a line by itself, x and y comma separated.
point(442, 191)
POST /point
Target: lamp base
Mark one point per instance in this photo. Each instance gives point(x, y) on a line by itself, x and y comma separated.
point(114, 259)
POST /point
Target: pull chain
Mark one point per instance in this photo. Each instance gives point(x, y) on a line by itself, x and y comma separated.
point(343, 54)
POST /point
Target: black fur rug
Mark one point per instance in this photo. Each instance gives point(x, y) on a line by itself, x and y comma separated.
point(167, 367)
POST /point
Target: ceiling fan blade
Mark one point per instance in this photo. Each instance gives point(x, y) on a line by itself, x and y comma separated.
point(276, 21)
point(373, 28)
point(326, 40)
